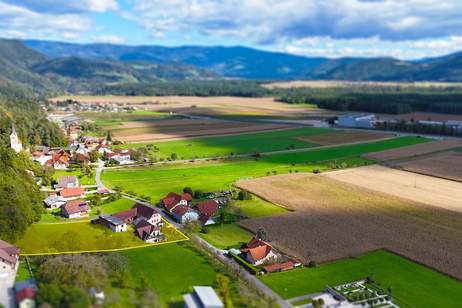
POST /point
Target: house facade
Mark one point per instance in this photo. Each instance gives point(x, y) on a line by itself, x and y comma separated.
point(258, 252)
point(112, 222)
point(9, 256)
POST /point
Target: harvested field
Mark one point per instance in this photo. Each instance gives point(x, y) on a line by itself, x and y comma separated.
point(334, 220)
point(223, 105)
point(347, 136)
point(185, 128)
point(415, 187)
point(447, 165)
point(414, 150)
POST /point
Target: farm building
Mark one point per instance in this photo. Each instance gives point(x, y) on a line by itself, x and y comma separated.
point(75, 209)
point(207, 209)
point(54, 201)
point(9, 256)
point(72, 193)
point(174, 199)
point(202, 297)
point(113, 223)
point(281, 267)
point(357, 121)
point(184, 214)
point(148, 232)
point(257, 251)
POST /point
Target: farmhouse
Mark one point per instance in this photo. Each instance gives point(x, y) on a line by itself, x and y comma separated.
point(173, 199)
point(257, 251)
point(207, 209)
point(114, 223)
point(148, 232)
point(357, 121)
point(75, 209)
point(184, 214)
point(59, 160)
point(202, 297)
point(54, 201)
point(9, 256)
point(122, 158)
point(72, 193)
point(69, 181)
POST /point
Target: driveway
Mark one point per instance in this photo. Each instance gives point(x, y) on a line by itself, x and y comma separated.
point(6, 289)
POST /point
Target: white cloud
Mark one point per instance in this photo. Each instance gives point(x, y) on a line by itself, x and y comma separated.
point(110, 39)
point(19, 22)
point(268, 21)
point(65, 6)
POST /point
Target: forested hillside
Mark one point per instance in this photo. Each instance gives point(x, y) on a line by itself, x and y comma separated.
point(20, 198)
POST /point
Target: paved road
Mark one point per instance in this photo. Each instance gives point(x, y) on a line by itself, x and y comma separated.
point(6, 289)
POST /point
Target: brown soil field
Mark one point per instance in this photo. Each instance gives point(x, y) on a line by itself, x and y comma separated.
point(424, 116)
point(344, 137)
point(179, 129)
point(334, 220)
point(414, 150)
point(447, 165)
point(224, 105)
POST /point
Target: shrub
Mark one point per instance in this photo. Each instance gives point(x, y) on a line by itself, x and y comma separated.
point(312, 264)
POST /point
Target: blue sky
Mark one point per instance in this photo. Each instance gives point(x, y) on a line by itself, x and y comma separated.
point(406, 29)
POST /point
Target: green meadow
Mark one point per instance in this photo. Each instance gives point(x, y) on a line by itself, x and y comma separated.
point(157, 181)
point(117, 118)
point(232, 145)
point(83, 179)
point(412, 285)
point(225, 236)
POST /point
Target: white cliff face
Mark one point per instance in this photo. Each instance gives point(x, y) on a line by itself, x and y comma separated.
point(16, 144)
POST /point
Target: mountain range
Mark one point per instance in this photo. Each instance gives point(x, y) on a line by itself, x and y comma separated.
point(58, 66)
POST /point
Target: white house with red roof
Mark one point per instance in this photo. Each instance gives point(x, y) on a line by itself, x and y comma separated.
point(75, 209)
point(178, 206)
point(207, 210)
point(258, 252)
point(9, 256)
point(72, 193)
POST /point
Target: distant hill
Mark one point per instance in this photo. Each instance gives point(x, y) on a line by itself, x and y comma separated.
point(248, 63)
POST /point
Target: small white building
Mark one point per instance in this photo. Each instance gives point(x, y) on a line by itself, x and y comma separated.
point(357, 121)
point(54, 201)
point(202, 297)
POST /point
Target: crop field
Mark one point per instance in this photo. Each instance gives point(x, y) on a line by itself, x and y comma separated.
point(412, 285)
point(81, 236)
point(333, 220)
point(221, 105)
point(447, 165)
point(344, 136)
point(235, 144)
point(414, 150)
point(157, 181)
point(415, 187)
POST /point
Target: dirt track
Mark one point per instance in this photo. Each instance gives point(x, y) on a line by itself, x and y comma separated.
point(333, 220)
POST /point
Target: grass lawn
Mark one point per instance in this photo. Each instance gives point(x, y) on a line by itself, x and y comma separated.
point(225, 236)
point(234, 144)
point(23, 271)
point(412, 285)
point(258, 207)
point(157, 181)
point(114, 207)
point(79, 236)
point(83, 180)
point(171, 270)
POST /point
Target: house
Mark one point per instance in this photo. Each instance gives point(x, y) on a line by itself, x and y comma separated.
point(184, 214)
point(122, 157)
point(59, 160)
point(75, 209)
point(357, 121)
point(128, 216)
point(81, 158)
point(257, 251)
point(9, 256)
point(15, 142)
point(68, 181)
point(148, 232)
point(114, 223)
point(25, 292)
point(173, 199)
point(207, 209)
point(72, 193)
point(54, 201)
point(202, 297)
point(41, 157)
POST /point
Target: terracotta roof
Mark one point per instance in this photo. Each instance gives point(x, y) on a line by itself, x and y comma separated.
point(180, 210)
point(208, 207)
point(279, 267)
point(257, 248)
point(25, 294)
point(186, 197)
point(72, 192)
point(144, 229)
point(173, 199)
point(8, 252)
point(76, 206)
point(145, 210)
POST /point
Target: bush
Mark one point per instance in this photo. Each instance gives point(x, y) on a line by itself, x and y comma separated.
point(312, 264)
point(188, 190)
point(316, 171)
point(198, 194)
point(244, 195)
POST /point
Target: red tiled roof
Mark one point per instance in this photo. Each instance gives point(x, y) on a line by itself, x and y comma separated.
point(72, 192)
point(126, 215)
point(24, 294)
point(180, 210)
point(257, 248)
point(208, 207)
point(186, 197)
point(144, 210)
point(173, 199)
point(279, 267)
point(8, 252)
point(76, 206)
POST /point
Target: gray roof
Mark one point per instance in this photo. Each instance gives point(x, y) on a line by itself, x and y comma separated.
point(29, 283)
point(207, 297)
point(113, 220)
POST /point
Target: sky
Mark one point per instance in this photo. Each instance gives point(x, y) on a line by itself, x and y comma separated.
point(404, 29)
